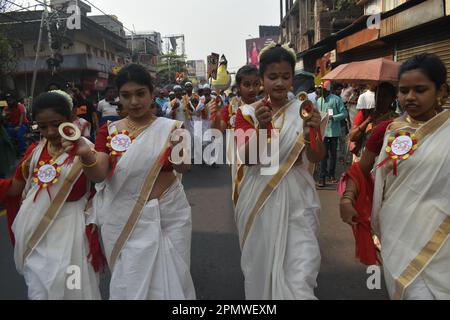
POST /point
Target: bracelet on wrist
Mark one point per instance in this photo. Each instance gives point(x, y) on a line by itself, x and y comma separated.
point(92, 164)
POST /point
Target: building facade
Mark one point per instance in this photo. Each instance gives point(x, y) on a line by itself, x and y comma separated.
point(85, 56)
point(145, 49)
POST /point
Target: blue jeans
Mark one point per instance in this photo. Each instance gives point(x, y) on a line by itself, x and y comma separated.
point(331, 145)
point(18, 135)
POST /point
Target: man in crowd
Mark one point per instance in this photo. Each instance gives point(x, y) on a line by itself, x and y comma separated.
point(16, 122)
point(334, 107)
point(85, 109)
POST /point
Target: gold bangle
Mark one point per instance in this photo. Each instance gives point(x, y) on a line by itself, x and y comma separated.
point(306, 141)
point(90, 165)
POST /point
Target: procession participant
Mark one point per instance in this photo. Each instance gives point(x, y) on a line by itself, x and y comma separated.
point(410, 213)
point(50, 227)
point(108, 106)
point(202, 119)
point(367, 119)
point(161, 100)
point(277, 219)
point(179, 107)
point(248, 83)
point(189, 88)
point(167, 106)
point(143, 213)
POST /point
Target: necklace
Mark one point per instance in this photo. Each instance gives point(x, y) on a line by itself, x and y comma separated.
point(280, 113)
point(54, 152)
point(135, 129)
point(276, 117)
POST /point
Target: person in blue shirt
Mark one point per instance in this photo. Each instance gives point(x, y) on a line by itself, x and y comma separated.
point(161, 99)
point(334, 107)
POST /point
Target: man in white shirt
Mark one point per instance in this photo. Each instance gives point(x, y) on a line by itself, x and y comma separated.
point(108, 106)
point(367, 99)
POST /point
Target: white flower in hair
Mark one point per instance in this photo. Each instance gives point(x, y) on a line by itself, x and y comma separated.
point(274, 45)
point(66, 96)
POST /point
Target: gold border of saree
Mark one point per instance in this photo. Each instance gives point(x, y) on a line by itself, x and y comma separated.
point(140, 203)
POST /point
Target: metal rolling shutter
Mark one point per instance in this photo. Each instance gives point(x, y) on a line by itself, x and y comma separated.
point(440, 48)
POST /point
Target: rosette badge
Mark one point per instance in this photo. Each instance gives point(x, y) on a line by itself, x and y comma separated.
point(401, 145)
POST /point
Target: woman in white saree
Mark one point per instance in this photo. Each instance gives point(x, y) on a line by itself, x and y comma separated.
point(411, 206)
point(143, 213)
point(52, 246)
point(277, 213)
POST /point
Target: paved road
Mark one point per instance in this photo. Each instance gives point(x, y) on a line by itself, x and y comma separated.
point(215, 248)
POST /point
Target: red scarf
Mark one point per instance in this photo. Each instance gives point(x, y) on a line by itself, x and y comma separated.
point(365, 249)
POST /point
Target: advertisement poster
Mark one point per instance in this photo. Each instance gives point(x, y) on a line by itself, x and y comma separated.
point(213, 65)
point(254, 47)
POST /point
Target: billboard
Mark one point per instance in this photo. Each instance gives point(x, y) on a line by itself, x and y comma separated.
point(254, 47)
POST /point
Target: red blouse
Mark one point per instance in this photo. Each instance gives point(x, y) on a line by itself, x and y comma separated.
point(376, 139)
point(102, 139)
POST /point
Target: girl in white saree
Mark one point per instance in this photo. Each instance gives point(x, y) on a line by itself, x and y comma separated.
point(141, 206)
point(277, 214)
point(52, 246)
point(411, 208)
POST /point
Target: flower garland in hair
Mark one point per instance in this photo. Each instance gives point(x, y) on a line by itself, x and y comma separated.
point(273, 45)
point(66, 96)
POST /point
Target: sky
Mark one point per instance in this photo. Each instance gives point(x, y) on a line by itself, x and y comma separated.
point(220, 26)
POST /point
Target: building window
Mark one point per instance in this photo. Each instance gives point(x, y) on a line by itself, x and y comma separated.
point(88, 49)
point(102, 53)
point(113, 57)
point(96, 52)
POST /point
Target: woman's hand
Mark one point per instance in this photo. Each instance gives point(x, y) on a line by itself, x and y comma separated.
point(79, 147)
point(348, 212)
point(263, 113)
point(314, 122)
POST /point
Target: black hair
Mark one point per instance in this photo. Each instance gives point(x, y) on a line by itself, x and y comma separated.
point(389, 87)
point(248, 70)
point(53, 84)
point(79, 87)
point(51, 101)
point(107, 89)
point(134, 73)
point(276, 54)
point(430, 64)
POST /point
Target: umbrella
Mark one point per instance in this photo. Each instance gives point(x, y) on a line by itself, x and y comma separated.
point(372, 71)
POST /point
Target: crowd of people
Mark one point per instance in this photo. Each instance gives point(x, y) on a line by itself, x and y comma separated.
point(114, 197)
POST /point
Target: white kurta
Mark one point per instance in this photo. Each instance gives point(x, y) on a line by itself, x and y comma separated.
point(409, 211)
point(154, 262)
point(280, 256)
point(62, 252)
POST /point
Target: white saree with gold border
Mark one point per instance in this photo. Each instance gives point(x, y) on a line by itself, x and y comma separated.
point(411, 213)
point(51, 244)
point(277, 219)
point(147, 243)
